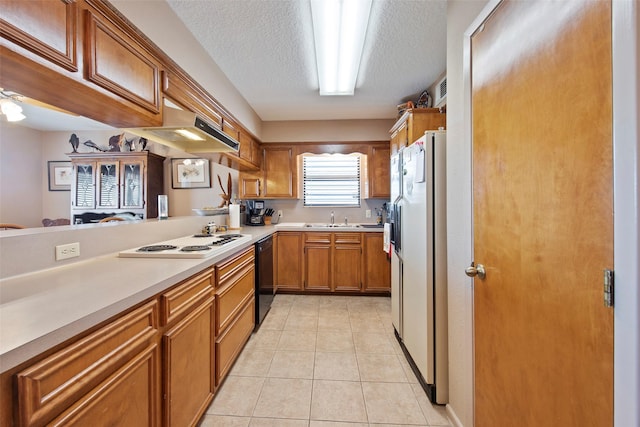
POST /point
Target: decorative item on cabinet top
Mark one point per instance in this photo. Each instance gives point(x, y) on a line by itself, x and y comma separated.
point(116, 143)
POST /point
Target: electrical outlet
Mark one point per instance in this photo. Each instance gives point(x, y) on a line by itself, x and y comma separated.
point(70, 250)
point(280, 214)
point(367, 213)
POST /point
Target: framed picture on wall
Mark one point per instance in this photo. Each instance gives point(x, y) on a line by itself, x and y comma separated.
point(60, 175)
point(190, 173)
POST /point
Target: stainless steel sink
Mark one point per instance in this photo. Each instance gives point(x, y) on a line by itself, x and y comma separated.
point(322, 225)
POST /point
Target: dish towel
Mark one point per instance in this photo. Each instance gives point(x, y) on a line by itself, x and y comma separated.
point(386, 240)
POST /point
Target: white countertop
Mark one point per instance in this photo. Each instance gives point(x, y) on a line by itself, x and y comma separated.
point(43, 309)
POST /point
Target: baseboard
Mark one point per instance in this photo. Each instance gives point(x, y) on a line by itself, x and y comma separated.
point(455, 421)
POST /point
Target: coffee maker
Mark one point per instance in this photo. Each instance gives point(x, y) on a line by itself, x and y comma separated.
point(255, 214)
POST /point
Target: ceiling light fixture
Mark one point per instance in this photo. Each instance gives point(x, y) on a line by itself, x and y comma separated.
point(10, 109)
point(339, 29)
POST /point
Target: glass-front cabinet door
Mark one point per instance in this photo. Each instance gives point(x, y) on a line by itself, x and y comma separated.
point(84, 182)
point(132, 185)
point(108, 186)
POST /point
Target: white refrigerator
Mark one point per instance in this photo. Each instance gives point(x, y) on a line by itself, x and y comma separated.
point(418, 265)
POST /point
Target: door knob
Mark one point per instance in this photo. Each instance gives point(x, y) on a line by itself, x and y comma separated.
point(475, 270)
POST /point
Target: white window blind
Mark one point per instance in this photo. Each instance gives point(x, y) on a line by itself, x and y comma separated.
point(331, 180)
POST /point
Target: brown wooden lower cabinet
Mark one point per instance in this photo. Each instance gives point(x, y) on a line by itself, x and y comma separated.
point(129, 397)
point(71, 382)
point(347, 256)
point(235, 309)
point(376, 265)
point(188, 358)
point(157, 364)
point(188, 368)
point(232, 340)
point(289, 261)
point(318, 261)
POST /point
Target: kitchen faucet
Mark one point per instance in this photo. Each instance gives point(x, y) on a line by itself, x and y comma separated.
point(333, 219)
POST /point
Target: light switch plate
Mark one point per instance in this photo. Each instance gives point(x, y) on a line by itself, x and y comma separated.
point(367, 213)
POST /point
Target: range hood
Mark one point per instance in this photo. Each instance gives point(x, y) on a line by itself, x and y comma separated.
point(186, 131)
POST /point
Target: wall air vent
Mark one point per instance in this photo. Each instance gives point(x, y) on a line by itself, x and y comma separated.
point(441, 92)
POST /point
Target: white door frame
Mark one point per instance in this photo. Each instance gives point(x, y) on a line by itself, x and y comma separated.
point(626, 190)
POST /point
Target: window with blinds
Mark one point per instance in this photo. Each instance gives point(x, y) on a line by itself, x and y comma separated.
point(331, 180)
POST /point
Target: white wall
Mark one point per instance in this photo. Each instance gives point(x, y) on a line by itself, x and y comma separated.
point(22, 172)
point(183, 201)
point(626, 154)
point(460, 14)
point(326, 130)
point(54, 146)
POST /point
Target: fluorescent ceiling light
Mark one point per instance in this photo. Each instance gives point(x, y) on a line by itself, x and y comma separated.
point(339, 29)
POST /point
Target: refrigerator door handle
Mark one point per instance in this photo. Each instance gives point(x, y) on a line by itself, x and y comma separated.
point(397, 228)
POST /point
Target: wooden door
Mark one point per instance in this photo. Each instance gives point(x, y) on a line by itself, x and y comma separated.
point(543, 217)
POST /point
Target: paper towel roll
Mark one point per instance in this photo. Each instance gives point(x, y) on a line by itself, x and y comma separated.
point(234, 216)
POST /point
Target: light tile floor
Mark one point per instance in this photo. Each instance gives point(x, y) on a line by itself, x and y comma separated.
point(323, 361)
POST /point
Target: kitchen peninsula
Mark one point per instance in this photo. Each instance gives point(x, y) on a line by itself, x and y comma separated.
point(55, 318)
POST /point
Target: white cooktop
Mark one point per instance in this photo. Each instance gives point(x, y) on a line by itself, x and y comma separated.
point(205, 244)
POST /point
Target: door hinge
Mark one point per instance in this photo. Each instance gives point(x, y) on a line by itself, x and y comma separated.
point(608, 287)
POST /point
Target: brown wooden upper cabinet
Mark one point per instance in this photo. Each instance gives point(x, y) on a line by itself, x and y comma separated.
point(378, 172)
point(412, 125)
point(277, 178)
point(181, 90)
point(80, 56)
point(55, 42)
point(250, 151)
point(83, 56)
point(278, 174)
point(249, 155)
point(117, 63)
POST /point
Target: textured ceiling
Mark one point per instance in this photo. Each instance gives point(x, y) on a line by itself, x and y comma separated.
point(265, 48)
